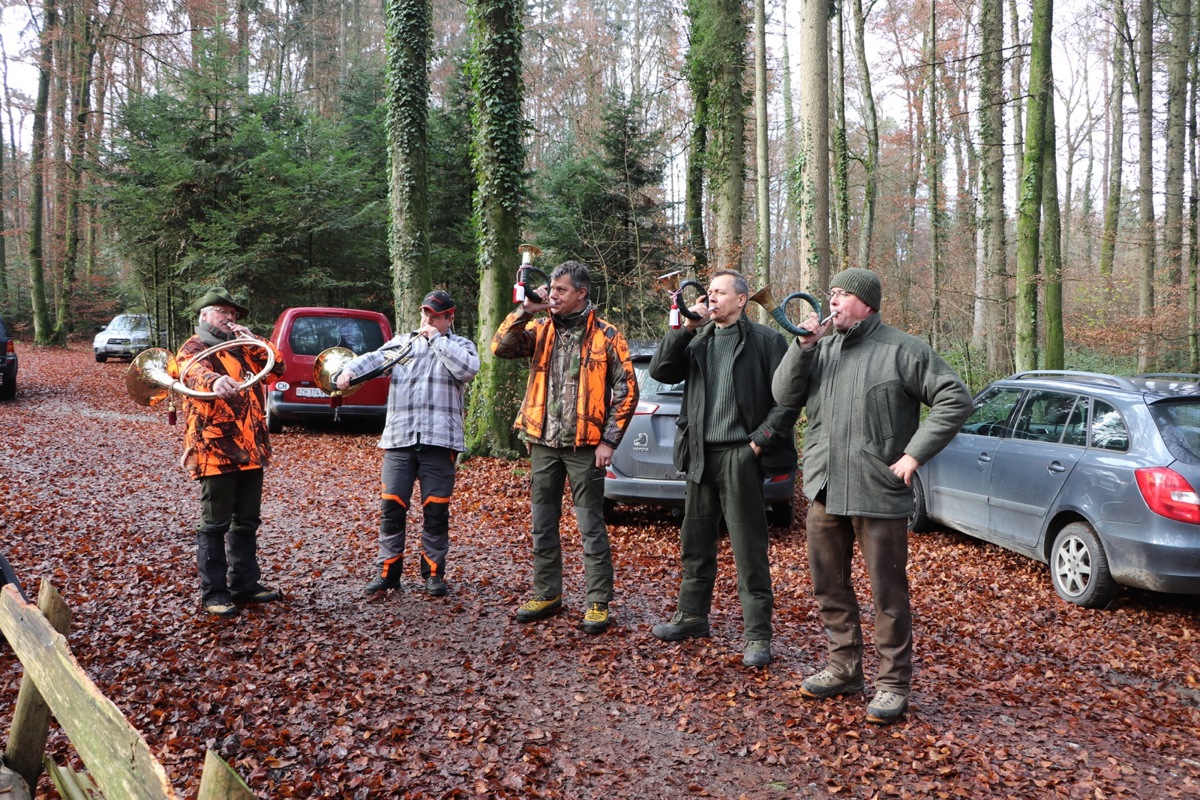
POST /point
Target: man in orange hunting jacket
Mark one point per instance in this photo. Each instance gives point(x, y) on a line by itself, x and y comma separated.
point(581, 394)
point(226, 448)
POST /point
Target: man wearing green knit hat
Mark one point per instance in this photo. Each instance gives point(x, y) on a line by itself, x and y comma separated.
point(863, 386)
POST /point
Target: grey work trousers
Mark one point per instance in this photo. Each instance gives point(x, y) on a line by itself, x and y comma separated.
point(731, 486)
point(884, 545)
point(551, 467)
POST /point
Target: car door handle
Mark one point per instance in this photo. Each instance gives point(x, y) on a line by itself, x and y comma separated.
point(1056, 467)
point(985, 458)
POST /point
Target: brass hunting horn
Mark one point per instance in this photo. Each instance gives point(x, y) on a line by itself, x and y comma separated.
point(778, 311)
point(672, 283)
point(526, 271)
point(149, 381)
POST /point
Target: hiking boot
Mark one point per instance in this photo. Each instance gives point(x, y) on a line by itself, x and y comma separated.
point(436, 586)
point(757, 653)
point(682, 626)
point(596, 619)
point(539, 607)
point(260, 594)
point(886, 707)
point(825, 684)
point(381, 584)
point(223, 609)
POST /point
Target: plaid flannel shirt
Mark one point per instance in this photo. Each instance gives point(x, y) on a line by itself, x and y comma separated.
point(426, 396)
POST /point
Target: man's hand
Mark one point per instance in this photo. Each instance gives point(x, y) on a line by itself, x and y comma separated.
point(604, 454)
point(904, 468)
point(536, 300)
point(702, 311)
point(343, 380)
point(757, 450)
point(225, 387)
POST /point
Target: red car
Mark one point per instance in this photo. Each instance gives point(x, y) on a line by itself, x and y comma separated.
point(301, 334)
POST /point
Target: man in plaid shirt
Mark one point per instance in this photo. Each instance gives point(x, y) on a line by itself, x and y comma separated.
point(421, 438)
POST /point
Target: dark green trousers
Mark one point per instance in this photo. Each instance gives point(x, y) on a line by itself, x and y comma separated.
point(551, 467)
point(731, 487)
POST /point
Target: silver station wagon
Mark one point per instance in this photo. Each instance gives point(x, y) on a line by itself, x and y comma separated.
point(1092, 474)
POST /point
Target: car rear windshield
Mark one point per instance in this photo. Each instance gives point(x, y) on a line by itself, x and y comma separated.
point(647, 385)
point(1179, 423)
point(311, 335)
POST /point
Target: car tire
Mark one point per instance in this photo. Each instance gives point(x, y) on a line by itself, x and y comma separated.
point(918, 520)
point(1079, 567)
point(780, 515)
point(9, 390)
point(274, 423)
point(101, 358)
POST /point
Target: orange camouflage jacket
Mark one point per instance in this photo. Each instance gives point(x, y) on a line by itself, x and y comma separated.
point(223, 436)
point(608, 389)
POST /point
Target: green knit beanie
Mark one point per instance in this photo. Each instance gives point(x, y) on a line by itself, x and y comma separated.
point(860, 282)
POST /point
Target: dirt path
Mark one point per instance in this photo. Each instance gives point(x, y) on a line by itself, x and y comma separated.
point(1017, 695)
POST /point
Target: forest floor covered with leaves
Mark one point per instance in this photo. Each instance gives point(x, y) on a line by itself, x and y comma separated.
point(1017, 694)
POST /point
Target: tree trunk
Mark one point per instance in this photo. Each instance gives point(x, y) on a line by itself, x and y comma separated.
point(1116, 148)
point(1194, 200)
point(1052, 245)
point(813, 178)
point(1179, 21)
point(1144, 87)
point(727, 132)
point(499, 162)
point(42, 331)
point(933, 166)
point(841, 153)
point(789, 273)
point(994, 264)
point(761, 155)
point(1029, 206)
point(408, 40)
point(82, 90)
point(866, 229)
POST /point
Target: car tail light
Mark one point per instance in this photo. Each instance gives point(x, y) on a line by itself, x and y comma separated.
point(779, 478)
point(1169, 494)
point(645, 408)
point(12, 350)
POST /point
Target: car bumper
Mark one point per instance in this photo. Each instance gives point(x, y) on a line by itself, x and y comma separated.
point(1158, 554)
point(121, 350)
point(296, 412)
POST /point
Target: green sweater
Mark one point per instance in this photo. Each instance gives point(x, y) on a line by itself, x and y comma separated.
point(864, 390)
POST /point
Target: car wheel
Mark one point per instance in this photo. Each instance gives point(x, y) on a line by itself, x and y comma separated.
point(274, 423)
point(101, 358)
point(1079, 567)
point(9, 390)
point(780, 515)
point(918, 520)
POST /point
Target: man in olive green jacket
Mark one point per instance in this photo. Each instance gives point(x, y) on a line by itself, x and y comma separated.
point(863, 387)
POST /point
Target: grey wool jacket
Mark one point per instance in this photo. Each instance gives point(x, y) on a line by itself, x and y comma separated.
point(864, 389)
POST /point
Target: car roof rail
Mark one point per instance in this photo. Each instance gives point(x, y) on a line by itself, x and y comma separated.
point(1115, 381)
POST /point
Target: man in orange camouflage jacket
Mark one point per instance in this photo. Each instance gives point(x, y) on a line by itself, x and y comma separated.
point(581, 394)
point(226, 447)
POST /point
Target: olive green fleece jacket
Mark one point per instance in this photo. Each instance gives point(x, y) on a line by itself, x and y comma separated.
point(864, 389)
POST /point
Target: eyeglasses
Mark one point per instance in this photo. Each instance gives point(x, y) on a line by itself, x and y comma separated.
point(836, 293)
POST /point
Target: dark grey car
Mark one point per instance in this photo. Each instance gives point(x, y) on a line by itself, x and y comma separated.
point(8, 364)
point(1092, 474)
point(643, 472)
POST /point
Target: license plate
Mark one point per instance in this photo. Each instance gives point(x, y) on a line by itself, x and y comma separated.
point(309, 391)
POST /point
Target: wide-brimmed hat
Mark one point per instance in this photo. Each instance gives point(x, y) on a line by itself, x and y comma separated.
point(438, 301)
point(219, 296)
